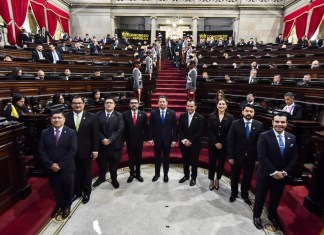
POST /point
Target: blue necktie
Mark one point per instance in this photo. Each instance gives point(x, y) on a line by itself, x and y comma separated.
point(281, 145)
point(247, 129)
point(162, 117)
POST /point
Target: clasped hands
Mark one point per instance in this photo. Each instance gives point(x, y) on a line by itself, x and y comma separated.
point(106, 142)
point(55, 167)
point(172, 144)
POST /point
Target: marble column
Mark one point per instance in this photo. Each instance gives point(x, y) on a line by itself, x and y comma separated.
point(195, 29)
point(153, 28)
point(236, 29)
point(113, 25)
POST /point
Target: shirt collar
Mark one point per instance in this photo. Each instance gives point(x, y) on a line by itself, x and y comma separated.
point(245, 121)
point(191, 115)
point(75, 114)
point(276, 133)
point(60, 129)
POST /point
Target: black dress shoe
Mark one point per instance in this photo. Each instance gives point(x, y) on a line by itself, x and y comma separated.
point(56, 212)
point(275, 223)
point(75, 197)
point(130, 179)
point(140, 178)
point(232, 198)
point(98, 182)
point(247, 201)
point(211, 187)
point(85, 199)
point(257, 223)
point(155, 178)
point(65, 213)
point(192, 182)
point(183, 179)
point(166, 179)
point(115, 184)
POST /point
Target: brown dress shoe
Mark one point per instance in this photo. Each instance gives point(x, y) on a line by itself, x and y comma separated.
point(65, 213)
point(56, 212)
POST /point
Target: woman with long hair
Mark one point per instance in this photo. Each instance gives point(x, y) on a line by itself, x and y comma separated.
point(13, 110)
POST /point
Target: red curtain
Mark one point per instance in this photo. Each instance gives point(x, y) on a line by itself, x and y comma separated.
point(298, 18)
point(38, 11)
point(288, 27)
point(316, 18)
point(5, 14)
point(65, 25)
point(301, 23)
point(19, 9)
point(52, 22)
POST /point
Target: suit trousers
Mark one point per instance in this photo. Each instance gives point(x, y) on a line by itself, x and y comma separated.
point(157, 159)
point(83, 176)
point(62, 184)
point(111, 156)
point(190, 157)
point(135, 159)
point(216, 162)
point(263, 185)
point(236, 168)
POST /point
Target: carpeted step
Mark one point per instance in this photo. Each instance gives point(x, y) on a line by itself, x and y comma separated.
point(178, 86)
point(171, 101)
point(170, 81)
point(170, 94)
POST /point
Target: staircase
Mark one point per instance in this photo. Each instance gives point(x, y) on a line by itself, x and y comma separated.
point(172, 84)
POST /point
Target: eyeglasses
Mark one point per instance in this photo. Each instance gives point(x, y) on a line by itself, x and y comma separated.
point(109, 102)
point(77, 103)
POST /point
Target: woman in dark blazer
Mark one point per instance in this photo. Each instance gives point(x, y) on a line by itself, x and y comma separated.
point(219, 123)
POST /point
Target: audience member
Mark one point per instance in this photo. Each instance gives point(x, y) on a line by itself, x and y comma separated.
point(66, 76)
point(77, 38)
point(87, 38)
point(15, 74)
point(306, 79)
point(58, 99)
point(276, 80)
point(96, 98)
point(7, 58)
point(95, 48)
point(249, 100)
point(228, 79)
point(315, 65)
point(295, 110)
point(38, 53)
point(253, 79)
point(77, 49)
point(13, 110)
point(40, 75)
point(63, 47)
point(220, 95)
point(53, 55)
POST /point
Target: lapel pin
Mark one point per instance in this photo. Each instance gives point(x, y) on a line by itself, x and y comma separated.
point(64, 131)
point(288, 138)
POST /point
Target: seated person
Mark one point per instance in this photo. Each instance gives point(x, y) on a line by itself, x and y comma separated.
point(15, 74)
point(205, 77)
point(249, 100)
point(228, 79)
point(96, 75)
point(13, 110)
point(95, 98)
point(77, 38)
point(306, 79)
point(254, 65)
point(295, 110)
point(276, 80)
point(8, 58)
point(53, 55)
point(38, 53)
point(40, 75)
point(63, 47)
point(315, 65)
point(220, 95)
point(289, 63)
point(253, 79)
point(78, 49)
point(87, 38)
point(58, 100)
point(95, 48)
point(66, 76)
point(120, 75)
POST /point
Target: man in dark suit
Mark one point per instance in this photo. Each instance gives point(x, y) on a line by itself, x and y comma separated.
point(54, 55)
point(250, 100)
point(295, 110)
point(277, 155)
point(241, 151)
point(57, 148)
point(111, 130)
point(136, 131)
point(163, 136)
point(191, 126)
point(66, 76)
point(253, 79)
point(85, 125)
point(38, 53)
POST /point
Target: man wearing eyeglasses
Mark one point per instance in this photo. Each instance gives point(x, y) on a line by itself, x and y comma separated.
point(86, 127)
point(136, 130)
point(111, 130)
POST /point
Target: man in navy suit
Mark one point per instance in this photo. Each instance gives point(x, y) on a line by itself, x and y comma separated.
point(57, 148)
point(136, 130)
point(191, 126)
point(111, 130)
point(241, 151)
point(85, 125)
point(295, 110)
point(163, 136)
point(277, 155)
point(54, 55)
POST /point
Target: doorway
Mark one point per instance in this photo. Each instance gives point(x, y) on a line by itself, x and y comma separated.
point(174, 32)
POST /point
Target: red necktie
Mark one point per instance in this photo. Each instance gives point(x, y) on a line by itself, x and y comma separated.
point(134, 118)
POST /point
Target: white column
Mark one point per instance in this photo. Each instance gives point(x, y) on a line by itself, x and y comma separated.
point(236, 29)
point(113, 26)
point(195, 29)
point(153, 28)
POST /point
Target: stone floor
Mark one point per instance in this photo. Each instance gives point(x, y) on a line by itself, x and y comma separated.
point(160, 208)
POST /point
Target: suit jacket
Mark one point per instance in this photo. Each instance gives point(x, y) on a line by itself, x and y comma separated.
point(35, 55)
point(269, 155)
point(297, 112)
point(238, 146)
point(193, 133)
point(163, 134)
point(137, 77)
point(135, 135)
point(50, 56)
point(63, 153)
point(243, 103)
point(254, 80)
point(112, 129)
point(218, 131)
point(87, 133)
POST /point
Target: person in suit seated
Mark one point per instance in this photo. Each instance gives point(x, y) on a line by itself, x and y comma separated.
point(163, 136)
point(38, 53)
point(8, 58)
point(105, 40)
point(111, 130)
point(25, 37)
point(191, 126)
point(253, 79)
point(249, 100)
point(230, 42)
point(295, 110)
point(95, 48)
point(228, 79)
point(39, 38)
point(40, 75)
point(219, 123)
point(17, 107)
point(66, 36)
point(77, 38)
point(97, 75)
point(315, 65)
point(78, 49)
point(85, 125)
point(254, 65)
point(96, 98)
point(277, 156)
point(57, 149)
point(136, 133)
point(306, 79)
point(303, 42)
point(241, 43)
point(276, 80)
point(318, 42)
point(87, 38)
point(53, 55)
point(63, 48)
point(279, 39)
point(15, 74)
point(116, 45)
point(58, 100)
point(66, 76)
point(241, 151)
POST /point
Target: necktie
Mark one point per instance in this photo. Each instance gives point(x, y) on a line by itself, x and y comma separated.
point(40, 55)
point(251, 80)
point(57, 135)
point(162, 117)
point(281, 145)
point(247, 129)
point(288, 109)
point(77, 122)
point(55, 58)
point(189, 120)
point(108, 116)
point(134, 118)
